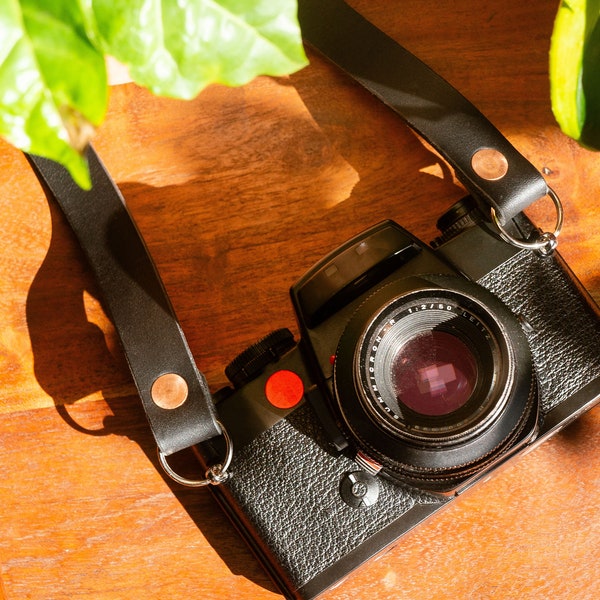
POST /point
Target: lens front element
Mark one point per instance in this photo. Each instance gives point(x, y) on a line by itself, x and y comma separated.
point(434, 373)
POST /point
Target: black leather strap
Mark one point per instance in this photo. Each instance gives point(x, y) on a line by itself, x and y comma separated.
point(139, 307)
point(151, 336)
point(429, 104)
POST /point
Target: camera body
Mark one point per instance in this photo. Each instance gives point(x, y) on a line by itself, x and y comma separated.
point(420, 370)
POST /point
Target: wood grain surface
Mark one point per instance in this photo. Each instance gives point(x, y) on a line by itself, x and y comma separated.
point(237, 193)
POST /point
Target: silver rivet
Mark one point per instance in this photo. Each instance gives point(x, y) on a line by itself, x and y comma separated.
point(489, 164)
point(169, 391)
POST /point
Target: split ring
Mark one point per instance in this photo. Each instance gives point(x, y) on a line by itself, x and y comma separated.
point(545, 242)
point(214, 475)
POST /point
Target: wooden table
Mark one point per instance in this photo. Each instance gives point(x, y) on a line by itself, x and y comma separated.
point(237, 193)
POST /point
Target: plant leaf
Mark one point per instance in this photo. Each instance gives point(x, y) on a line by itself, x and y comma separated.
point(177, 47)
point(53, 90)
point(575, 70)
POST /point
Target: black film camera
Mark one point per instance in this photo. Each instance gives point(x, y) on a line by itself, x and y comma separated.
point(419, 371)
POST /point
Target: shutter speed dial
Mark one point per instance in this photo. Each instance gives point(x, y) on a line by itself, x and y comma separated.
point(250, 363)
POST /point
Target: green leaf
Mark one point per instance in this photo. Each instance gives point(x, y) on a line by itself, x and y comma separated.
point(177, 47)
point(575, 70)
point(53, 90)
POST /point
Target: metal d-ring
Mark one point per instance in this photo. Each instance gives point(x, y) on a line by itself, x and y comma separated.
point(214, 475)
point(546, 242)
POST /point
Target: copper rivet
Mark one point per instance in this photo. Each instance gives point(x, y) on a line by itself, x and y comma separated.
point(489, 164)
point(169, 391)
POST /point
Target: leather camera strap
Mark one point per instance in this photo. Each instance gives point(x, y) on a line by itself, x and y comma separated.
point(484, 160)
point(174, 393)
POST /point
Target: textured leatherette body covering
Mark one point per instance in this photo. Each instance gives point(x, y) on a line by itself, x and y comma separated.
point(287, 483)
point(564, 332)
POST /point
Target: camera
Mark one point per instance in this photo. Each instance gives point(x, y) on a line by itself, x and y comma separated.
point(419, 371)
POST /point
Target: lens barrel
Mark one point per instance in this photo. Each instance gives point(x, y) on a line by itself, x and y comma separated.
point(434, 380)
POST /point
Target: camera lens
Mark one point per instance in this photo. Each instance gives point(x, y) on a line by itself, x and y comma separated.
point(433, 373)
point(427, 367)
point(435, 381)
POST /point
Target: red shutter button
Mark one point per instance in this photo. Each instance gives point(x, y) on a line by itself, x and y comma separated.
point(284, 389)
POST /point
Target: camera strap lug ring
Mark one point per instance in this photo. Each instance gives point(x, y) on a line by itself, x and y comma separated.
point(215, 475)
point(546, 242)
